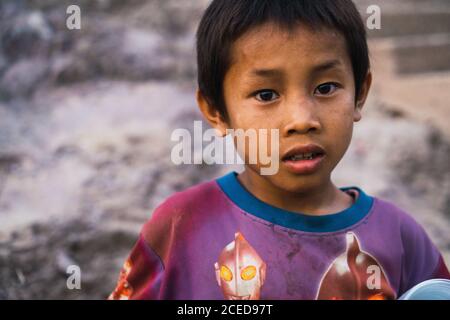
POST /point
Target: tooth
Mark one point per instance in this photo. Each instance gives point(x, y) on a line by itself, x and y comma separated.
point(303, 156)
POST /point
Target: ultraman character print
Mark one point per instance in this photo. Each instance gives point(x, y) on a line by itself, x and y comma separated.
point(240, 271)
point(123, 290)
point(355, 275)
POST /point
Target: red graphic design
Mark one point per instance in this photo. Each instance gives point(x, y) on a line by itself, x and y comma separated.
point(240, 271)
point(355, 275)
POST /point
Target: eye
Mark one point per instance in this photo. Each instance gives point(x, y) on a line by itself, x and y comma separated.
point(225, 273)
point(266, 95)
point(326, 89)
point(248, 273)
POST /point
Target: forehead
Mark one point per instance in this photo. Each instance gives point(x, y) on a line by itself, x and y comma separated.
point(270, 46)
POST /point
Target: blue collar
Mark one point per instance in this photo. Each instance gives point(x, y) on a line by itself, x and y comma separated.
point(326, 223)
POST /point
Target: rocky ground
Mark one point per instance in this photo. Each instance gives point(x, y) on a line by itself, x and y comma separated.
point(86, 118)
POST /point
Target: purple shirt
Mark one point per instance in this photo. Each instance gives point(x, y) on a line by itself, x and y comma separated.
point(217, 241)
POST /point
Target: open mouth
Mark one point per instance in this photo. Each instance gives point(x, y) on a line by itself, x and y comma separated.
point(305, 152)
point(304, 159)
point(304, 156)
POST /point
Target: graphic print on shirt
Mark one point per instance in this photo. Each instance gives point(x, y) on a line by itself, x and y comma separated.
point(240, 271)
point(355, 275)
point(123, 290)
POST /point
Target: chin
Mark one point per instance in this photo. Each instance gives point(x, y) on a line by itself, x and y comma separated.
point(297, 183)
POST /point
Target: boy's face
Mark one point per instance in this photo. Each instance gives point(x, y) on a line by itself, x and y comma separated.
point(302, 84)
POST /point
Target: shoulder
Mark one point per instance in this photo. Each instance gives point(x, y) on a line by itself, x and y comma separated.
point(396, 224)
point(188, 201)
point(178, 214)
point(420, 255)
point(392, 215)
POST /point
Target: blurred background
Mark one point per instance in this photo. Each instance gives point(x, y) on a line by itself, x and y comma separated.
point(86, 118)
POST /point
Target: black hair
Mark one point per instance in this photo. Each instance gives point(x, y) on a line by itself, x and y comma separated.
point(224, 21)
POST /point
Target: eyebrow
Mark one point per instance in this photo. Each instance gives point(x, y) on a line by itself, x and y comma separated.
point(327, 65)
point(278, 73)
point(267, 73)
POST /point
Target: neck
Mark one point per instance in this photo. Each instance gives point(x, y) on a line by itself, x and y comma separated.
point(323, 199)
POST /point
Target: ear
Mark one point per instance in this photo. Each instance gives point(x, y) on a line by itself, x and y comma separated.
point(365, 88)
point(211, 114)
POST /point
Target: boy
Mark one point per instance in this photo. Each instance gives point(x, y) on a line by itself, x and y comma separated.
point(300, 67)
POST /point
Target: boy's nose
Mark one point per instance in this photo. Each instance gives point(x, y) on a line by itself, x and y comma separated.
point(302, 118)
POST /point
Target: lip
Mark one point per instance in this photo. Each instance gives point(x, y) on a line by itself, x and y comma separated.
point(304, 166)
point(308, 148)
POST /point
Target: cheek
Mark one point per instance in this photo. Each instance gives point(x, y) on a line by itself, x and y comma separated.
point(236, 112)
point(341, 120)
point(342, 138)
point(342, 109)
point(338, 126)
point(247, 116)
